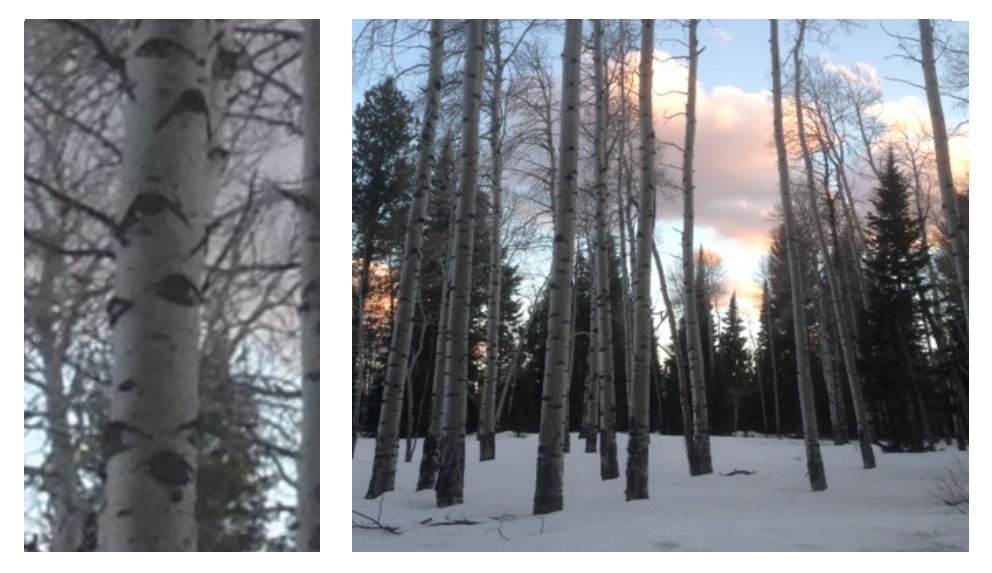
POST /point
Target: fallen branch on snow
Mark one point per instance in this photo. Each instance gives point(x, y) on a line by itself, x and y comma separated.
point(739, 472)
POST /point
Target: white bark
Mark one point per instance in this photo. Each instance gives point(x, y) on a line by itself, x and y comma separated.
point(608, 465)
point(451, 472)
point(550, 458)
point(308, 488)
point(842, 320)
point(814, 461)
point(387, 437)
point(640, 406)
point(952, 218)
point(694, 344)
point(151, 460)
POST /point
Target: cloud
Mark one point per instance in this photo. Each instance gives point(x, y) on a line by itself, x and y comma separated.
point(720, 35)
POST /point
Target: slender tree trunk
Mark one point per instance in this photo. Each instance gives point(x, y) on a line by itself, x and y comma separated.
point(842, 321)
point(451, 472)
point(603, 343)
point(826, 359)
point(550, 459)
point(308, 498)
point(694, 345)
point(511, 375)
point(814, 461)
point(151, 459)
point(692, 454)
point(952, 218)
point(487, 412)
point(387, 437)
point(640, 399)
point(431, 451)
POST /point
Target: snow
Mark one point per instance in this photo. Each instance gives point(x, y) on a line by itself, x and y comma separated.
point(890, 508)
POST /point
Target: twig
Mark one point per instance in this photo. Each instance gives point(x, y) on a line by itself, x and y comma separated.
point(739, 472)
point(377, 525)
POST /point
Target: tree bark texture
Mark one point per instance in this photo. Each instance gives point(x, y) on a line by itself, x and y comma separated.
point(814, 461)
point(550, 458)
point(608, 465)
point(151, 460)
point(387, 437)
point(308, 498)
point(451, 472)
point(952, 217)
point(640, 400)
point(694, 341)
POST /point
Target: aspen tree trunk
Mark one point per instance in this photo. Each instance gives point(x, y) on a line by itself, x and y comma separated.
point(151, 459)
point(608, 464)
point(829, 380)
point(511, 375)
point(640, 406)
point(487, 413)
point(359, 367)
point(603, 344)
point(952, 218)
point(842, 321)
point(451, 472)
point(431, 451)
point(814, 461)
point(387, 437)
point(623, 205)
point(680, 367)
point(308, 498)
point(694, 344)
point(550, 458)
point(591, 416)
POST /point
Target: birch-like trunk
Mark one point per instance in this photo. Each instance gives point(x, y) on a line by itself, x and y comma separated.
point(609, 467)
point(359, 366)
point(151, 460)
point(694, 342)
point(550, 457)
point(680, 367)
point(952, 218)
point(308, 468)
point(487, 412)
point(640, 406)
point(814, 461)
point(841, 319)
point(387, 437)
point(431, 451)
point(451, 472)
point(771, 352)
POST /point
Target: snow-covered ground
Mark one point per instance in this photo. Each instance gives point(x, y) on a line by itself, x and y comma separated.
point(890, 508)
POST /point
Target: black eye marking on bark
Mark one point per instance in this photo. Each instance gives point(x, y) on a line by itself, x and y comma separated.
point(315, 538)
point(124, 513)
point(113, 437)
point(145, 205)
point(127, 385)
point(116, 308)
point(313, 377)
point(190, 101)
point(179, 290)
point(176, 495)
point(170, 468)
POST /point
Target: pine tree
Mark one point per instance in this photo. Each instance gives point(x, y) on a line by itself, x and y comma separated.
point(735, 358)
point(891, 334)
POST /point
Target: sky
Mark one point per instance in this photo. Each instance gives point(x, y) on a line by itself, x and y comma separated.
point(735, 165)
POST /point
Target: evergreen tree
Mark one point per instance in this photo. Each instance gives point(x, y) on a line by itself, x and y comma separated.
point(734, 360)
point(891, 337)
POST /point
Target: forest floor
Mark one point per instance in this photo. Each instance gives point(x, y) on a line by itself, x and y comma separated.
point(894, 507)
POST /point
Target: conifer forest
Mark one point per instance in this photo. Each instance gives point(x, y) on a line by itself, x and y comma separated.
point(171, 285)
point(589, 259)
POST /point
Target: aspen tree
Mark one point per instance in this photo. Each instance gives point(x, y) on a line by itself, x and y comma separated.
point(694, 343)
point(841, 318)
point(308, 499)
point(550, 458)
point(387, 438)
point(814, 461)
point(640, 407)
point(451, 472)
point(608, 464)
point(151, 460)
point(952, 218)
